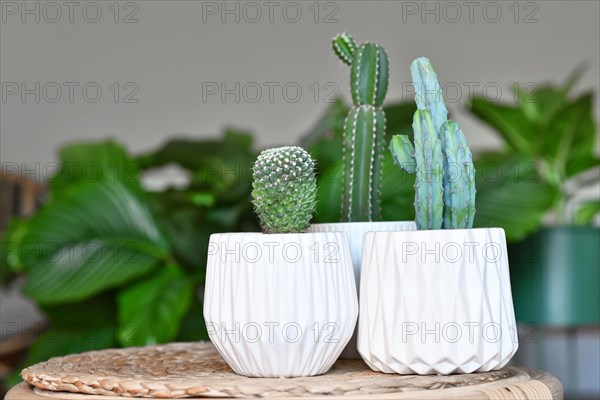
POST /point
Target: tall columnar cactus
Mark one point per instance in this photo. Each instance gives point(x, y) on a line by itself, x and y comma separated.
point(364, 128)
point(459, 178)
point(284, 189)
point(440, 157)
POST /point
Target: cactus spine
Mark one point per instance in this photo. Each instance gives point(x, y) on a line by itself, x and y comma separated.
point(364, 128)
point(446, 198)
point(284, 189)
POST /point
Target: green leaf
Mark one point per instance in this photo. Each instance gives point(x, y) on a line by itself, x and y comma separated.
point(151, 311)
point(574, 131)
point(90, 238)
point(85, 269)
point(190, 226)
point(587, 212)
point(541, 103)
point(10, 249)
point(511, 123)
point(548, 126)
point(92, 163)
point(511, 194)
point(222, 168)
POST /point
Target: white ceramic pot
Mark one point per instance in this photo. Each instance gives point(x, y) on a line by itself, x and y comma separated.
point(355, 231)
point(280, 305)
point(436, 302)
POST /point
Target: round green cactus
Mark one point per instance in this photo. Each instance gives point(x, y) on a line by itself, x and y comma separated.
point(284, 189)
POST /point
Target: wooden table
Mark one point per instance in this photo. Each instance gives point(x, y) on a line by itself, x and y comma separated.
point(182, 370)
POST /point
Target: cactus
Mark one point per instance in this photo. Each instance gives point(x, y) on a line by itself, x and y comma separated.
point(428, 92)
point(284, 189)
point(459, 178)
point(364, 128)
point(344, 47)
point(443, 198)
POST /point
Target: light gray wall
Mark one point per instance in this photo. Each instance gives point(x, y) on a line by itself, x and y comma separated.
point(171, 51)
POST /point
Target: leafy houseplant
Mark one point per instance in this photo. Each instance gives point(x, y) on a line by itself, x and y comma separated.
point(552, 135)
point(362, 151)
point(281, 303)
point(430, 297)
point(111, 264)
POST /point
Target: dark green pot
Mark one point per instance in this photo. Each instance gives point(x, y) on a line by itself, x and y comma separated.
point(555, 277)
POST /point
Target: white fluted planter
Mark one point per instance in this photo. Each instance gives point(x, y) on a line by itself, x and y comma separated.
point(355, 231)
point(280, 305)
point(436, 302)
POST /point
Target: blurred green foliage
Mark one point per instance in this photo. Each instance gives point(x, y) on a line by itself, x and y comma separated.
point(111, 264)
point(549, 137)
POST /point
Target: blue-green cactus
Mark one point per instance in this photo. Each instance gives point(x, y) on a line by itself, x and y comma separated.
point(453, 189)
point(364, 128)
point(459, 178)
point(429, 192)
point(428, 94)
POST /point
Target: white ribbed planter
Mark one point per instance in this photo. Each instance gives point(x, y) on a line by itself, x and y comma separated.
point(355, 231)
point(436, 302)
point(280, 305)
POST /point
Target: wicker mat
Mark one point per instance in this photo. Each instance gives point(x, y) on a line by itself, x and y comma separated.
point(196, 370)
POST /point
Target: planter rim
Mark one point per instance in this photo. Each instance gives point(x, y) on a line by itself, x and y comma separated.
point(215, 235)
point(362, 223)
point(425, 231)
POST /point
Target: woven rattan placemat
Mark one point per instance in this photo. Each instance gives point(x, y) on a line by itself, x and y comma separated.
point(196, 370)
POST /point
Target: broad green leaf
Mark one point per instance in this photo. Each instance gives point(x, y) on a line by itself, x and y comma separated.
point(511, 194)
point(151, 311)
point(512, 124)
point(92, 163)
point(86, 268)
point(540, 103)
point(582, 153)
point(190, 226)
point(587, 212)
point(10, 248)
point(570, 135)
point(91, 237)
point(222, 167)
